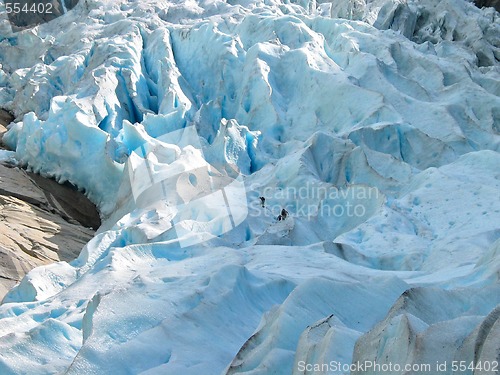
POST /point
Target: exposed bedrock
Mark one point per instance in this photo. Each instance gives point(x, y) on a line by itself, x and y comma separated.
point(41, 221)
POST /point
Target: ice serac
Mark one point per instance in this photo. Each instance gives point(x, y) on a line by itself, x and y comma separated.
point(430, 21)
point(374, 124)
point(426, 327)
point(276, 341)
point(322, 341)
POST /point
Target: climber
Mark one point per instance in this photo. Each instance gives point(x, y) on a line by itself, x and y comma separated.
point(262, 201)
point(284, 214)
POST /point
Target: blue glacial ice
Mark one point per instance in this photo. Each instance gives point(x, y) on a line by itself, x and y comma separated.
point(376, 124)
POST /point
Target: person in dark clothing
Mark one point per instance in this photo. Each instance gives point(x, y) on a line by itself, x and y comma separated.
point(284, 214)
point(262, 201)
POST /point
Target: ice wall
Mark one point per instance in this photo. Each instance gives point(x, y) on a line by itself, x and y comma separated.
point(389, 108)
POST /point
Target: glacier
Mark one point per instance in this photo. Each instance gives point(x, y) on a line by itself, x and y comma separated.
point(374, 123)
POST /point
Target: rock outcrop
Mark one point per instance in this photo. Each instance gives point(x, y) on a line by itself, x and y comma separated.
point(41, 221)
point(38, 12)
point(5, 119)
point(488, 3)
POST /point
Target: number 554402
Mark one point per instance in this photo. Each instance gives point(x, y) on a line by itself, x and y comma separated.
point(17, 8)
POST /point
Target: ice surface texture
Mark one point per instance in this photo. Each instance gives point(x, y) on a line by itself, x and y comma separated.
point(375, 123)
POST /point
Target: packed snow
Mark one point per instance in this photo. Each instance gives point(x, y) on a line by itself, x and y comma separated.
point(375, 124)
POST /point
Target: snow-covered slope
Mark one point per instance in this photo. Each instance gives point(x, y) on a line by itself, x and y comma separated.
point(376, 124)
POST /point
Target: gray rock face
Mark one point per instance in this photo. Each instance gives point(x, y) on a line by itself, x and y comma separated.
point(36, 227)
point(5, 119)
point(29, 13)
point(40, 221)
point(488, 3)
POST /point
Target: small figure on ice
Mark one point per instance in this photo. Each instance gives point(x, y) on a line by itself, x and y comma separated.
point(283, 215)
point(262, 201)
